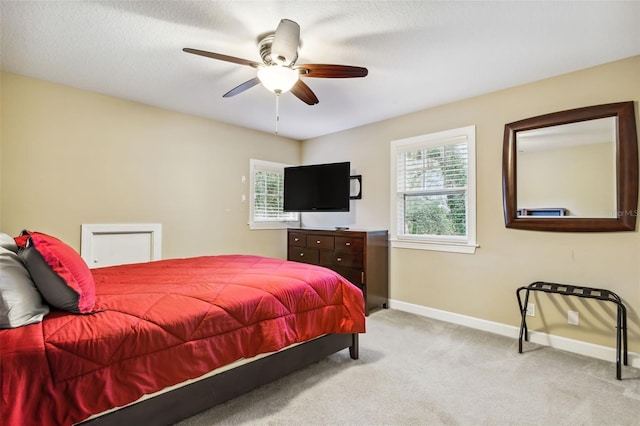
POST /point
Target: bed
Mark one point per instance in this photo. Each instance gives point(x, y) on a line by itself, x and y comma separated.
point(157, 325)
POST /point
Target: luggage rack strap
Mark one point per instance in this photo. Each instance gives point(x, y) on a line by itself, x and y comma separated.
point(572, 290)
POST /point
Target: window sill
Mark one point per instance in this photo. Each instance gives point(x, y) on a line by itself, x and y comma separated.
point(464, 248)
point(273, 225)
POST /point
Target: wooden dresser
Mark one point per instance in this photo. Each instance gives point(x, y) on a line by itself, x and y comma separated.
point(362, 257)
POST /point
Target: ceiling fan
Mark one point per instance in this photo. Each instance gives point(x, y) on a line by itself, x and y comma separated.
point(278, 71)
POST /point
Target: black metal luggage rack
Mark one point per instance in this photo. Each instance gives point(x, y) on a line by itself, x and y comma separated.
point(585, 292)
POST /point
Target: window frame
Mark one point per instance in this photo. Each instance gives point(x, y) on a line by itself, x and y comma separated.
point(262, 165)
point(457, 244)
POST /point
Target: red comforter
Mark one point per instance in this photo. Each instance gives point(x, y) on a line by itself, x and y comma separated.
point(162, 323)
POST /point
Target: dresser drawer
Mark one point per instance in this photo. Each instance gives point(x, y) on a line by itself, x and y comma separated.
point(353, 275)
point(297, 240)
point(347, 259)
point(347, 243)
point(301, 254)
point(320, 241)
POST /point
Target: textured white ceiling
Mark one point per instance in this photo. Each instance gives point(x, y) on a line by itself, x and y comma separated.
point(419, 53)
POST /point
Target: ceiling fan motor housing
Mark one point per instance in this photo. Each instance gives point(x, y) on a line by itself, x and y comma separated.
point(266, 53)
point(265, 49)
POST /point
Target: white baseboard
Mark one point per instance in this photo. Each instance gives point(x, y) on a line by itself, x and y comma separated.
point(570, 345)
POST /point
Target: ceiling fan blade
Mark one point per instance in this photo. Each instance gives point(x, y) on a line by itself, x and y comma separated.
point(241, 88)
point(332, 71)
point(304, 93)
point(286, 40)
point(222, 57)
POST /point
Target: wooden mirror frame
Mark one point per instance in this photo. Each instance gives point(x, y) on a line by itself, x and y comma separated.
point(626, 171)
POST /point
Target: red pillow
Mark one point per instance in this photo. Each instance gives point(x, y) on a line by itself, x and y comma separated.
point(61, 275)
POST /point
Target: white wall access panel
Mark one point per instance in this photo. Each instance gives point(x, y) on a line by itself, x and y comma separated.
point(117, 244)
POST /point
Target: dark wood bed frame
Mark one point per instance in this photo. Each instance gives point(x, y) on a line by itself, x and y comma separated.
point(184, 402)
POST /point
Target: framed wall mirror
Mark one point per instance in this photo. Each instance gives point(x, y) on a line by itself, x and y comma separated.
point(572, 171)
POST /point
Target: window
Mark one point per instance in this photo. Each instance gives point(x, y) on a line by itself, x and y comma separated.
point(267, 195)
point(433, 191)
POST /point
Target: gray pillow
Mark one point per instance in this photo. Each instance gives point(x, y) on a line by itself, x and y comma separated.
point(20, 301)
point(7, 241)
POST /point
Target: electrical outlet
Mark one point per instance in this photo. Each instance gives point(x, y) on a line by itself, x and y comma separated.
point(531, 309)
point(573, 318)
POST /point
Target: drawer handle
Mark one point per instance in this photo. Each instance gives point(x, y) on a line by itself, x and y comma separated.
point(301, 254)
point(318, 242)
point(347, 243)
point(339, 259)
point(296, 239)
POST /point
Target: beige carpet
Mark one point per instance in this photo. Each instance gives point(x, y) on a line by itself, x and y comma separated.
point(418, 371)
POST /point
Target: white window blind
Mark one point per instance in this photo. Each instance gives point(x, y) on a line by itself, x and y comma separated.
point(434, 189)
point(433, 184)
point(267, 196)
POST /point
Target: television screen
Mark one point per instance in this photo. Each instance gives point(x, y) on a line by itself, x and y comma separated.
point(317, 188)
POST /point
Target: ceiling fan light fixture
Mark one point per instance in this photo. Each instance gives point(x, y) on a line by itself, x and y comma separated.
point(278, 79)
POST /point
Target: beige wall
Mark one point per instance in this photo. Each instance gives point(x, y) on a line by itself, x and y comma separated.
point(0, 151)
point(71, 157)
point(483, 285)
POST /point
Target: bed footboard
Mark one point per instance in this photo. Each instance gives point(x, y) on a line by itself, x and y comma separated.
point(181, 403)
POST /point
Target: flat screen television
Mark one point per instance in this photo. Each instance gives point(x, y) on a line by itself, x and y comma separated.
point(317, 188)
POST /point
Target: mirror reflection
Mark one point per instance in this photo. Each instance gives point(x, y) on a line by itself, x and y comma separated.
point(568, 170)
